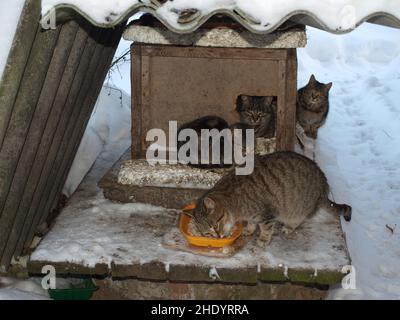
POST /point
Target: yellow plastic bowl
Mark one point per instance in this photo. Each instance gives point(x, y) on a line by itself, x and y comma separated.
point(205, 241)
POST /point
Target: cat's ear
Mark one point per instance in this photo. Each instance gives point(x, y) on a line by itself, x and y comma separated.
point(328, 86)
point(312, 79)
point(244, 99)
point(209, 203)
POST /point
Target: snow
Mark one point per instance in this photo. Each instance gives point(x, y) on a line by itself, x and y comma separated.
point(120, 76)
point(335, 14)
point(29, 289)
point(109, 124)
point(93, 230)
point(358, 147)
point(10, 11)
point(100, 11)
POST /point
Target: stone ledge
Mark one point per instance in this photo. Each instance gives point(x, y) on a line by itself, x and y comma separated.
point(322, 277)
point(218, 37)
point(149, 271)
point(313, 255)
point(217, 32)
point(168, 197)
point(68, 268)
point(193, 273)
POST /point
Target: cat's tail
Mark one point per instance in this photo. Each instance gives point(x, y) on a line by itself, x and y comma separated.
point(338, 209)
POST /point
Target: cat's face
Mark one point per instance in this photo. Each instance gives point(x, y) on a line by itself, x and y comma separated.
point(212, 219)
point(316, 93)
point(255, 111)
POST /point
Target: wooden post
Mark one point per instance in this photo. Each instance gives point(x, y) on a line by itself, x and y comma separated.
point(136, 76)
point(286, 117)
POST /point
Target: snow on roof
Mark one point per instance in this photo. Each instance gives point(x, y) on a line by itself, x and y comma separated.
point(259, 16)
point(10, 11)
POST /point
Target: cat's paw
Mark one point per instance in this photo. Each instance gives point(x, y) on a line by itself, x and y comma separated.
point(286, 230)
point(263, 243)
point(267, 230)
point(249, 229)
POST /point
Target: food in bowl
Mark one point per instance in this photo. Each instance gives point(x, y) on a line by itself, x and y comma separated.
point(188, 229)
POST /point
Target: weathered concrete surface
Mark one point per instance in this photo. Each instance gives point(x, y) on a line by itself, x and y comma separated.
point(168, 197)
point(142, 174)
point(218, 37)
point(125, 241)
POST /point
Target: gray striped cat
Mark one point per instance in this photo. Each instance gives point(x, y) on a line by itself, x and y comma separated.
point(313, 106)
point(284, 189)
point(258, 113)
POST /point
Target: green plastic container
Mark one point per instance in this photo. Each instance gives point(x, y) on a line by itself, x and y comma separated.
point(83, 291)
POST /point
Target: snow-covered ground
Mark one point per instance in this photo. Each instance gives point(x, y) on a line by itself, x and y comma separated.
point(120, 75)
point(360, 142)
point(30, 289)
point(359, 146)
point(109, 125)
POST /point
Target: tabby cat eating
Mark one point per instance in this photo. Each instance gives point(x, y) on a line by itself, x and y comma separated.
point(284, 189)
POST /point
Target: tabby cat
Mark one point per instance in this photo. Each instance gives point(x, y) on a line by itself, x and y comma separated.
point(313, 106)
point(284, 189)
point(256, 113)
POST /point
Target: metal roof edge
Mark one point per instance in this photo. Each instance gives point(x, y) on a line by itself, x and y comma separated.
point(65, 11)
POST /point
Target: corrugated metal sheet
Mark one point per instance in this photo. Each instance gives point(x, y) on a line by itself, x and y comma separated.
point(186, 20)
point(48, 90)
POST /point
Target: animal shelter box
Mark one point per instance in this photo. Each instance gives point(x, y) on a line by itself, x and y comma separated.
point(171, 81)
